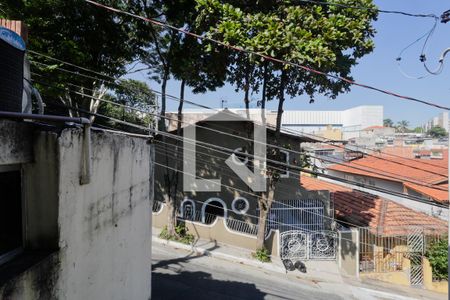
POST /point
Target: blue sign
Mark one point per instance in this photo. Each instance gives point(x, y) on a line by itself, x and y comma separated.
point(12, 38)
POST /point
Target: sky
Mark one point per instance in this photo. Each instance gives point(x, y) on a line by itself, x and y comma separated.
point(379, 69)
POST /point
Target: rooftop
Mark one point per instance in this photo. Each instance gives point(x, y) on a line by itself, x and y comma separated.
point(383, 216)
point(397, 169)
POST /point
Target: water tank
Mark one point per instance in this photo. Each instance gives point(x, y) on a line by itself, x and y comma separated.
point(12, 53)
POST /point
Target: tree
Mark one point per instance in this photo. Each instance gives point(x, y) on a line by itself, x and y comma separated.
point(325, 37)
point(402, 126)
point(172, 54)
point(437, 132)
point(135, 98)
point(76, 32)
point(418, 130)
point(388, 123)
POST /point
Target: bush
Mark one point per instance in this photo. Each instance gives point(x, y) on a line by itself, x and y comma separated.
point(437, 255)
point(262, 255)
point(181, 235)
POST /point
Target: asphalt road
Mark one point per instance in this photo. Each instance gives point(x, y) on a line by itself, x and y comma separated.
point(177, 274)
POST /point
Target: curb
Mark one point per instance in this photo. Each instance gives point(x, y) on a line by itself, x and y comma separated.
point(202, 251)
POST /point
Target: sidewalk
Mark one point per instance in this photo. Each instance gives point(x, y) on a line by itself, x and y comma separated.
point(323, 273)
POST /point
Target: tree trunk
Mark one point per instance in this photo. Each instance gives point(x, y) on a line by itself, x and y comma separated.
point(280, 103)
point(246, 90)
point(265, 202)
point(174, 179)
point(94, 104)
point(162, 121)
point(171, 218)
point(180, 107)
point(262, 223)
point(264, 92)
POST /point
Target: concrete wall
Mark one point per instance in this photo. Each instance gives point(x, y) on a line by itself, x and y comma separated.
point(211, 165)
point(98, 235)
point(219, 232)
point(428, 283)
point(348, 253)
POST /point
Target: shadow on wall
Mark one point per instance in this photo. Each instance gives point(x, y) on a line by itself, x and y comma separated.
point(200, 285)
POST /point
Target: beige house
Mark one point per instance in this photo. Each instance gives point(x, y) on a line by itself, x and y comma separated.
point(224, 137)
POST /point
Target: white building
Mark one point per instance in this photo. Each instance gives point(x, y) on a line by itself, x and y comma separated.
point(350, 121)
point(441, 120)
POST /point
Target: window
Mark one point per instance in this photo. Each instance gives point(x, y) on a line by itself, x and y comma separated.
point(11, 234)
point(285, 159)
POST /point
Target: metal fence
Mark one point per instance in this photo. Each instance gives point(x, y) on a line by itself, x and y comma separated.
point(207, 218)
point(305, 214)
point(382, 253)
point(241, 226)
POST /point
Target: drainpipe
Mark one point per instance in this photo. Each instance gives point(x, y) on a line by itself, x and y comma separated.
point(448, 237)
point(85, 175)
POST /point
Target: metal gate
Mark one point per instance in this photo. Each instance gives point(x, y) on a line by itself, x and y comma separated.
point(416, 249)
point(300, 214)
point(298, 244)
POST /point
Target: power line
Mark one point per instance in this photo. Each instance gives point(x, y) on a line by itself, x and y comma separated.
point(371, 9)
point(193, 103)
point(164, 152)
point(342, 162)
point(170, 97)
point(212, 146)
point(427, 37)
point(366, 169)
point(267, 57)
point(418, 199)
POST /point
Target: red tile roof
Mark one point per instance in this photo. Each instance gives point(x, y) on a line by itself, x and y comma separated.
point(396, 169)
point(436, 194)
point(383, 216)
point(374, 127)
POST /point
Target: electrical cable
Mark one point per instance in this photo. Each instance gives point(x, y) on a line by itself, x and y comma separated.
point(284, 129)
point(371, 170)
point(370, 9)
point(358, 184)
point(385, 174)
point(266, 57)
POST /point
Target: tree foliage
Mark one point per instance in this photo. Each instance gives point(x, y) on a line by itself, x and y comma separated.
point(388, 123)
point(437, 254)
point(72, 31)
point(325, 37)
point(135, 98)
point(329, 38)
point(437, 132)
point(402, 126)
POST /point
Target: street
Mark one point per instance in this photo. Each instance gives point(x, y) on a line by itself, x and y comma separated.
point(178, 274)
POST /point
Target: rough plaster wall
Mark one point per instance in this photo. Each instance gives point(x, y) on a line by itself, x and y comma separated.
point(40, 193)
point(105, 231)
point(15, 142)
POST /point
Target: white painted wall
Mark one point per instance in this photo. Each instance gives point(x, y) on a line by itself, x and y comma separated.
point(101, 231)
point(105, 226)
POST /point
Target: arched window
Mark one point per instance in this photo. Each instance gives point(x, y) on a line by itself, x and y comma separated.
point(212, 208)
point(187, 209)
